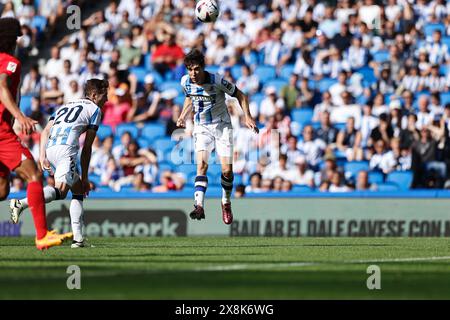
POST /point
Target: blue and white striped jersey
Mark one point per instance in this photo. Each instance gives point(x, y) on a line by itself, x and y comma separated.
point(208, 100)
point(71, 120)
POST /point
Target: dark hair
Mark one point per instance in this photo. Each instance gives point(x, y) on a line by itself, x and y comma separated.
point(194, 57)
point(95, 85)
point(9, 31)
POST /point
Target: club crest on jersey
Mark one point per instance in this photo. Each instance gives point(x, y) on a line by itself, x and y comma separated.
point(12, 66)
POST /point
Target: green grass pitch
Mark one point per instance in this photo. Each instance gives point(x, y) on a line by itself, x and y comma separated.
point(228, 268)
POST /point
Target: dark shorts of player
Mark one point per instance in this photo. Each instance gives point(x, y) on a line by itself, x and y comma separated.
point(12, 153)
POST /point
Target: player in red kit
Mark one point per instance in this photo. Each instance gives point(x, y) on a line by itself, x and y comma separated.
point(13, 155)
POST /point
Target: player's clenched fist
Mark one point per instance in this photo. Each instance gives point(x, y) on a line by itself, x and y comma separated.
point(28, 125)
point(181, 123)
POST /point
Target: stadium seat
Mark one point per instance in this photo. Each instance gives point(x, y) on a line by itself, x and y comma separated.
point(368, 75)
point(445, 98)
point(127, 127)
point(153, 131)
point(140, 73)
point(355, 166)
point(236, 71)
point(212, 68)
point(165, 166)
point(429, 28)
point(277, 83)
point(301, 188)
point(167, 85)
point(265, 72)
point(286, 71)
point(104, 131)
point(381, 56)
point(163, 147)
point(257, 98)
point(187, 169)
point(339, 125)
point(376, 177)
point(148, 62)
point(238, 179)
point(25, 104)
point(403, 179)
point(95, 179)
point(143, 142)
point(387, 187)
point(39, 22)
point(302, 116)
point(324, 84)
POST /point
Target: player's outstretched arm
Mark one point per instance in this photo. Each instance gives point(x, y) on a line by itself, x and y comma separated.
point(27, 124)
point(243, 102)
point(187, 107)
point(86, 158)
point(45, 165)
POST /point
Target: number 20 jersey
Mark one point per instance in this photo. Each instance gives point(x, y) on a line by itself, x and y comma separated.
point(71, 120)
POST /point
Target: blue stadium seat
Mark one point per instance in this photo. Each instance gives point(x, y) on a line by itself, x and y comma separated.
point(381, 56)
point(387, 187)
point(429, 28)
point(324, 84)
point(104, 131)
point(376, 177)
point(95, 179)
point(302, 116)
point(165, 166)
point(215, 170)
point(148, 62)
point(236, 71)
point(286, 71)
point(238, 179)
point(180, 100)
point(446, 40)
point(143, 142)
point(164, 147)
point(153, 131)
point(402, 178)
point(277, 83)
point(140, 73)
point(212, 68)
point(167, 85)
point(339, 125)
point(355, 166)
point(368, 75)
point(130, 127)
point(257, 98)
point(265, 72)
point(39, 22)
point(445, 98)
point(25, 105)
point(301, 188)
point(187, 169)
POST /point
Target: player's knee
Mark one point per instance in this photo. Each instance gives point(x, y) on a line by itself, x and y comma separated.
point(227, 174)
point(202, 168)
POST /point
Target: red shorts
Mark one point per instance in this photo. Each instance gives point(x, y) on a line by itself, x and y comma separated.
point(12, 153)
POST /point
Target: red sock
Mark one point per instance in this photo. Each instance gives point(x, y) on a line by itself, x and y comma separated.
point(36, 201)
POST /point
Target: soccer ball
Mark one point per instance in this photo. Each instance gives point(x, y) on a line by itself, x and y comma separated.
point(207, 10)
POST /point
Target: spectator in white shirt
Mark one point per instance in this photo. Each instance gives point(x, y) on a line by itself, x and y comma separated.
point(255, 183)
point(424, 117)
point(269, 104)
point(54, 66)
point(338, 88)
point(311, 147)
point(438, 51)
point(303, 175)
point(247, 82)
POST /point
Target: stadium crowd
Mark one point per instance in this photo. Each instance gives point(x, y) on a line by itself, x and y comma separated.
point(349, 95)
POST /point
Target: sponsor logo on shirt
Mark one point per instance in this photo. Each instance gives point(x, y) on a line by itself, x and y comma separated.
point(12, 66)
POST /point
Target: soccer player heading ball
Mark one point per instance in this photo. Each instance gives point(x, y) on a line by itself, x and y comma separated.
point(205, 92)
point(13, 155)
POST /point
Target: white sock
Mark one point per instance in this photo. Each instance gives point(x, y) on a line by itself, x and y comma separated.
point(76, 217)
point(227, 188)
point(50, 194)
point(201, 183)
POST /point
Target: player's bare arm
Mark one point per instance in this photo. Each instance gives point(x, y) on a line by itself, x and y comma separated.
point(187, 107)
point(243, 102)
point(27, 124)
point(86, 158)
point(45, 165)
